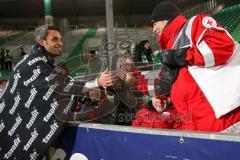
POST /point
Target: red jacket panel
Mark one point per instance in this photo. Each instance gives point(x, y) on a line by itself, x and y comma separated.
point(152, 119)
point(195, 110)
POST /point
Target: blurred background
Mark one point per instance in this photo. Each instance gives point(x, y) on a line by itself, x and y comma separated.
point(87, 25)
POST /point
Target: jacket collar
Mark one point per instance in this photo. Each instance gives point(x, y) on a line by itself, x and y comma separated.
point(166, 39)
point(38, 49)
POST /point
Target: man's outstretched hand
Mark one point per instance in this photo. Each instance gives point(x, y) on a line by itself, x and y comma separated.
point(107, 79)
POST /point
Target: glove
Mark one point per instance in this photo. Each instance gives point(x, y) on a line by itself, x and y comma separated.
point(173, 57)
point(169, 74)
point(167, 77)
point(161, 85)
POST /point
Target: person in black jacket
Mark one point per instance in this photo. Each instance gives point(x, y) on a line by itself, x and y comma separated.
point(37, 101)
point(143, 53)
point(8, 60)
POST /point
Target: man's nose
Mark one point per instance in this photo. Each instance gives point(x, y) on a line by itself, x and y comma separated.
point(60, 43)
point(154, 29)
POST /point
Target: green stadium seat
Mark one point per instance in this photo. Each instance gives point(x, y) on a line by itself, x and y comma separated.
point(229, 17)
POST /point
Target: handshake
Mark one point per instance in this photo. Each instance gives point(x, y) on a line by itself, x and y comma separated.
point(107, 79)
point(171, 59)
point(115, 79)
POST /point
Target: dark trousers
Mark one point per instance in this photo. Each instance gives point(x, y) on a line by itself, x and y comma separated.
point(8, 66)
point(2, 64)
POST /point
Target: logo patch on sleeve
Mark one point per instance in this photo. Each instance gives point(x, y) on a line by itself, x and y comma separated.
point(209, 22)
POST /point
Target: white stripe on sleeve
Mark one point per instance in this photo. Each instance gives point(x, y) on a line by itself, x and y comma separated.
point(207, 54)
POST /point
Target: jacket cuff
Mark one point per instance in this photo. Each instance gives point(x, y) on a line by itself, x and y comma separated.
point(90, 85)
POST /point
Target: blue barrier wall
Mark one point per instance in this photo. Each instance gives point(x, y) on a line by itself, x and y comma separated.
point(129, 143)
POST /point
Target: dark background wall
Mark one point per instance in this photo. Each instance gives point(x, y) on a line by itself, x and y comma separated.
point(18, 13)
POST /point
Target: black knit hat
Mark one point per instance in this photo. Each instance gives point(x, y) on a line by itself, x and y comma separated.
point(165, 11)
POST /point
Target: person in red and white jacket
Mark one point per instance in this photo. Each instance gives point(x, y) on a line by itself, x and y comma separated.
point(207, 86)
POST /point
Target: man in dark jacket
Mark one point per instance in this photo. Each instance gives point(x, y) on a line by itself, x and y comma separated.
point(2, 58)
point(38, 100)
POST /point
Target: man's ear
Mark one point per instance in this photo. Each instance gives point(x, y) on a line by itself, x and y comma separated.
point(40, 42)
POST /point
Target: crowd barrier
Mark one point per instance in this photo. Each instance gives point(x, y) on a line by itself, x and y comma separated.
point(112, 142)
